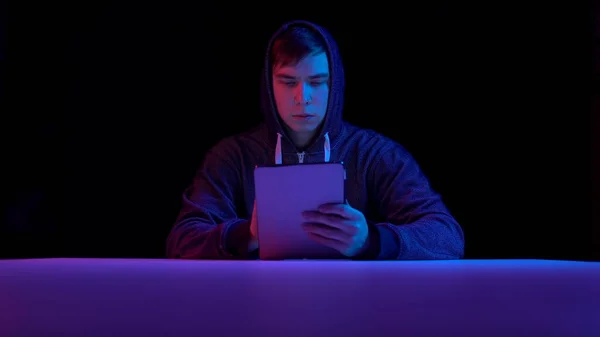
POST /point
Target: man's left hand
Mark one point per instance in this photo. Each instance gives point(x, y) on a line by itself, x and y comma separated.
point(338, 226)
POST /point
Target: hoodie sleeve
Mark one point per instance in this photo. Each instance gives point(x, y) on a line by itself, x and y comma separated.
point(208, 226)
point(418, 225)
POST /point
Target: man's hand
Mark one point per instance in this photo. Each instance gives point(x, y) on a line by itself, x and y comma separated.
point(253, 243)
point(338, 226)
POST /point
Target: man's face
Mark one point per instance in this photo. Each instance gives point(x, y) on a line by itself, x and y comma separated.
point(301, 93)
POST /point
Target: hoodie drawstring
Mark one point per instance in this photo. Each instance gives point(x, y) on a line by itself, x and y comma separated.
point(327, 147)
point(279, 158)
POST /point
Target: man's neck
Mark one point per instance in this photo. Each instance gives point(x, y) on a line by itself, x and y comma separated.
point(302, 140)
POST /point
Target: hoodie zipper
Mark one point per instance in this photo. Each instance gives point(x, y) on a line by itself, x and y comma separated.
point(301, 157)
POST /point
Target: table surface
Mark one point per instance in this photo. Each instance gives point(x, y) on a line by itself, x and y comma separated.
point(158, 297)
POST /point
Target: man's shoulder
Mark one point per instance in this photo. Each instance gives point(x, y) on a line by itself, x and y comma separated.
point(369, 147)
point(238, 149)
point(240, 141)
point(369, 139)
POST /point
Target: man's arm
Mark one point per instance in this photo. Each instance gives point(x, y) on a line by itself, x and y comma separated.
point(208, 226)
point(418, 225)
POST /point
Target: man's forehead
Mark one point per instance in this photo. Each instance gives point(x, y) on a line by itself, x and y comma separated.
point(293, 75)
point(310, 66)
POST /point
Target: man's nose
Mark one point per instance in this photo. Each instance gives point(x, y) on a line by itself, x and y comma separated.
point(303, 94)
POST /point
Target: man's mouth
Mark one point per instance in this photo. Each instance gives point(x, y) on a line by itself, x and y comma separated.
point(303, 116)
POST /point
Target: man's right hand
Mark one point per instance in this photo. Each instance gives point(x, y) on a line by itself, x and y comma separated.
point(253, 243)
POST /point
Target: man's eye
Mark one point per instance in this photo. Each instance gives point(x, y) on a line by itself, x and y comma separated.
point(317, 83)
point(290, 84)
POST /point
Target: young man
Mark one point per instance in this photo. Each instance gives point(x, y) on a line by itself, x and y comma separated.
point(392, 212)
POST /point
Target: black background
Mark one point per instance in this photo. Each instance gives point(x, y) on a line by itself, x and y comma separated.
point(110, 106)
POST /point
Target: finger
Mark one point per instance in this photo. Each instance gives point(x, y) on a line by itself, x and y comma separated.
point(343, 210)
point(331, 220)
point(339, 246)
point(327, 232)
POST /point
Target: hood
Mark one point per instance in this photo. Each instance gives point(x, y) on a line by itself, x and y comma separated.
point(332, 123)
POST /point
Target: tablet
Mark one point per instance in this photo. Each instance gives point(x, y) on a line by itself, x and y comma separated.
point(283, 192)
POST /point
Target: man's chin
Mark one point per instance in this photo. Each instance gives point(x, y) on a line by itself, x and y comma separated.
point(304, 129)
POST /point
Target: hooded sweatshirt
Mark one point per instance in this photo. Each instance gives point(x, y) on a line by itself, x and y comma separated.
point(407, 219)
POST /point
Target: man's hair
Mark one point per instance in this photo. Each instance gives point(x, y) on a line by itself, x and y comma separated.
point(294, 44)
